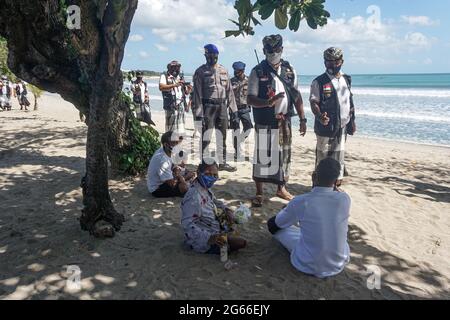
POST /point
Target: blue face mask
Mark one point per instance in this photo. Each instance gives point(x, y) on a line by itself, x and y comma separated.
point(207, 181)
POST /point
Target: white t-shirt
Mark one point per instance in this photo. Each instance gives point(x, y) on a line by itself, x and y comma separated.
point(281, 106)
point(343, 94)
point(177, 91)
point(159, 170)
point(323, 214)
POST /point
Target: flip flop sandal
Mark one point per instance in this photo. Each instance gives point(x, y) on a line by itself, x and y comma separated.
point(257, 201)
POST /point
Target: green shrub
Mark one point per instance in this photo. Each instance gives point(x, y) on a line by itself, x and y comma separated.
point(144, 142)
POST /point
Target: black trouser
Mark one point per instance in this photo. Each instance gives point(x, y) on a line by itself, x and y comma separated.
point(246, 121)
point(215, 117)
point(166, 191)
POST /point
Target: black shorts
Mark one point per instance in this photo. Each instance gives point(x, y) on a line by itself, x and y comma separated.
point(166, 191)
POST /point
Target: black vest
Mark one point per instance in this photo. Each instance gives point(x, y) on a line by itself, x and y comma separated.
point(266, 115)
point(329, 103)
point(169, 99)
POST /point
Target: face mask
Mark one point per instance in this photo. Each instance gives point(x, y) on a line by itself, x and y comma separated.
point(333, 69)
point(169, 148)
point(274, 58)
point(207, 181)
point(175, 73)
point(212, 60)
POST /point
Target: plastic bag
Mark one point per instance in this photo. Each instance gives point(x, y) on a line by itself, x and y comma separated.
point(242, 214)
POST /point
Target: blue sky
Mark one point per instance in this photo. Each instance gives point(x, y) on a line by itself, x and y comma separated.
point(379, 36)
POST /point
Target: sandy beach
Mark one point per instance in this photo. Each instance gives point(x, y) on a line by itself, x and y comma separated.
point(399, 223)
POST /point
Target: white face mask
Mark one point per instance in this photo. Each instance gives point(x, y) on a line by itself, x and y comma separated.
point(274, 58)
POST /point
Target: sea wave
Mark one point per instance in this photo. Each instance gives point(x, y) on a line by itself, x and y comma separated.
point(407, 92)
point(414, 117)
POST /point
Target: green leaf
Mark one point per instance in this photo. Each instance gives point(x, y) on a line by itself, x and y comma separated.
point(294, 23)
point(281, 19)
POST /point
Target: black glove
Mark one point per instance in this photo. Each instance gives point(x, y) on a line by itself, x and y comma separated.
point(234, 121)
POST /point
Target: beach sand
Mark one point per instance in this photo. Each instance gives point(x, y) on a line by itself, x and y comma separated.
point(399, 225)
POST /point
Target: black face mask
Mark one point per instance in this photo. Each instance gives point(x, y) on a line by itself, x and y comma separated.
point(169, 148)
point(332, 68)
point(212, 59)
point(174, 73)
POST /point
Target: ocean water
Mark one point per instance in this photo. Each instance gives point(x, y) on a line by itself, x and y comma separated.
point(402, 107)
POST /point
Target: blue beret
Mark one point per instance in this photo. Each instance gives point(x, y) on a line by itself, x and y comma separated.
point(210, 48)
point(239, 65)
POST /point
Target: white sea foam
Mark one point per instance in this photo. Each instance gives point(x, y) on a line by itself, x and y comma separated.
point(397, 92)
point(415, 117)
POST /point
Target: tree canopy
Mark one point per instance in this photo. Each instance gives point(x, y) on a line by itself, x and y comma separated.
point(287, 13)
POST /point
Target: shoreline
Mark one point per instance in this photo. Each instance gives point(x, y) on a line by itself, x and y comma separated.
point(161, 113)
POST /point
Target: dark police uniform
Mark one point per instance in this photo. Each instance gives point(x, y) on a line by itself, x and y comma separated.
point(213, 95)
point(240, 88)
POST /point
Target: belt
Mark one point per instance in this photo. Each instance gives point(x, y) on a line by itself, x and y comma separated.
point(217, 102)
point(242, 106)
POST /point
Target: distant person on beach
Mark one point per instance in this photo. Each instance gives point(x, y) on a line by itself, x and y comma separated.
point(6, 91)
point(273, 93)
point(205, 219)
point(141, 98)
point(172, 86)
point(21, 93)
point(319, 246)
point(240, 87)
point(332, 104)
point(164, 178)
point(213, 96)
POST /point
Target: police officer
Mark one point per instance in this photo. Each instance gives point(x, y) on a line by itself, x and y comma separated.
point(213, 95)
point(240, 87)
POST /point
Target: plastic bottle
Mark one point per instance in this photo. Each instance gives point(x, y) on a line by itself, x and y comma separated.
point(224, 250)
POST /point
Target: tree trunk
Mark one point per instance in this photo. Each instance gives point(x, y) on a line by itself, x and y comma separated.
point(84, 67)
point(35, 103)
point(96, 198)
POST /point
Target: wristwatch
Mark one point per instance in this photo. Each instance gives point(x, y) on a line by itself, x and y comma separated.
point(304, 120)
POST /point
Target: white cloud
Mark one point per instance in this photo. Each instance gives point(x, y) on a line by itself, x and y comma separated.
point(174, 20)
point(363, 41)
point(198, 36)
point(144, 54)
point(417, 39)
point(136, 38)
point(420, 21)
point(428, 61)
point(160, 47)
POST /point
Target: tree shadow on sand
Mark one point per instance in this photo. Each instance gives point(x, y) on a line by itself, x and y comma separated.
point(39, 239)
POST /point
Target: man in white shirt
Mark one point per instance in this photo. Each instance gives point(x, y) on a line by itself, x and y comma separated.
point(6, 91)
point(164, 179)
point(319, 246)
point(332, 104)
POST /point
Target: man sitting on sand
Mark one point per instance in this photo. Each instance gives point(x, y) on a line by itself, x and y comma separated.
point(319, 246)
point(204, 230)
point(164, 179)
